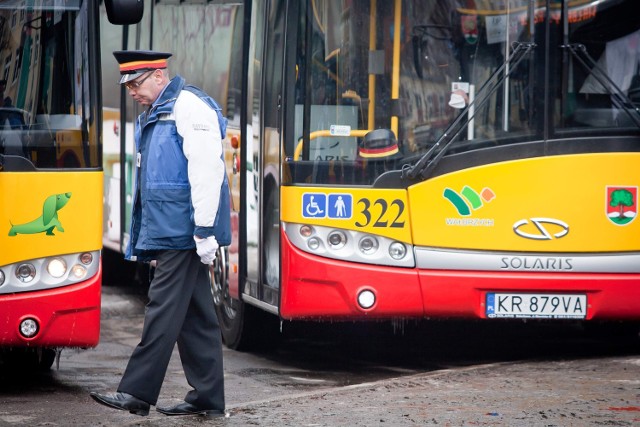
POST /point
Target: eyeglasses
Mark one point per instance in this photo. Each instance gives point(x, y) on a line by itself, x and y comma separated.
point(137, 83)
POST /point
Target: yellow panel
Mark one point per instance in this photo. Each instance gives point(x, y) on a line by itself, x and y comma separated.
point(28, 230)
point(377, 211)
point(556, 204)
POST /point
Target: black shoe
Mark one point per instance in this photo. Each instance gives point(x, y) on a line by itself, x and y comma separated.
point(123, 401)
point(185, 408)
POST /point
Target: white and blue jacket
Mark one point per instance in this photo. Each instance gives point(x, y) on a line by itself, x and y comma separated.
point(181, 186)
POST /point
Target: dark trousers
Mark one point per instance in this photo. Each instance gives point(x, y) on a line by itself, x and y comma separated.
point(181, 310)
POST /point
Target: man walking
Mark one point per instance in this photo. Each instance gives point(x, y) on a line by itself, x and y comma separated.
point(180, 216)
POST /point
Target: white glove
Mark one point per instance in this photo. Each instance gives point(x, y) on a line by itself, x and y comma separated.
point(206, 249)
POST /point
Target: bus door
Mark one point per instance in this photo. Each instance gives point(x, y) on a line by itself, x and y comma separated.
point(264, 132)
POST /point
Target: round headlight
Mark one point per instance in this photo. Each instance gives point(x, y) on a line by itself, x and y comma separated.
point(78, 271)
point(57, 267)
point(368, 245)
point(313, 243)
point(86, 258)
point(337, 239)
point(306, 230)
point(397, 250)
point(366, 299)
point(25, 272)
point(28, 328)
point(1, 277)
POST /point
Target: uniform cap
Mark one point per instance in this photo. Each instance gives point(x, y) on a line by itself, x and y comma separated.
point(134, 63)
point(378, 143)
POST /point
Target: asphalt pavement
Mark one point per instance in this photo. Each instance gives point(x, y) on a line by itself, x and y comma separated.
point(598, 388)
point(573, 392)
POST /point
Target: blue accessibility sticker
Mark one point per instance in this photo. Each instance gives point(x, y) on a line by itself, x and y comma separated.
point(340, 206)
point(314, 205)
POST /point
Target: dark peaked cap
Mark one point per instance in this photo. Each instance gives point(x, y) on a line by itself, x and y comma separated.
point(134, 63)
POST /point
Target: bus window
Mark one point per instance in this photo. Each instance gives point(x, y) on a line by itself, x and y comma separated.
point(46, 102)
point(601, 86)
point(446, 74)
point(368, 66)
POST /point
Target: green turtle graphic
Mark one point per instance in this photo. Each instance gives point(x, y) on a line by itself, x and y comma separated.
point(45, 222)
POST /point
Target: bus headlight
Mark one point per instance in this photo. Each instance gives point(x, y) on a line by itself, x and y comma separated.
point(337, 239)
point(86, 258)
point(368, 245)
point(78, 271)
point(313, 243)
point(366, 299)
point(350, 245)
point(48, 272)
point(25, 272)
point(28, 327)
point(397, 250)
point(57, 268)
point(306, 231)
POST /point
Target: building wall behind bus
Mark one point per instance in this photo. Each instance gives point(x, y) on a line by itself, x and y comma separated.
point(203, 39)
point(200, 37)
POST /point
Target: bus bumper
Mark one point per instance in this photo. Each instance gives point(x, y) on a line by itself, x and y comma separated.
point(315, 288)
point(68, 316)
point(463, 294)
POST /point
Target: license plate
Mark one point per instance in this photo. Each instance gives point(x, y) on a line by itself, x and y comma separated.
point(550, 306)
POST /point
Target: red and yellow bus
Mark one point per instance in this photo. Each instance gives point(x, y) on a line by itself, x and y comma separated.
point(396, 159)
point(50, 178)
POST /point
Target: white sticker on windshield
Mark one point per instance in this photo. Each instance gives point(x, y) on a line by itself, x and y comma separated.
point(340, 130)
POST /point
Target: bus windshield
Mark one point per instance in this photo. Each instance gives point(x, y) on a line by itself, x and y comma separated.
point(378, 84)
point(47, 118)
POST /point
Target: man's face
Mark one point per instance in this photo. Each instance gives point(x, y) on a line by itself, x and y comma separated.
point(145, 89)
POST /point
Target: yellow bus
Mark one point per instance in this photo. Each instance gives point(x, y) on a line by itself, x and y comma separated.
point(396, 159)
point(50, 178)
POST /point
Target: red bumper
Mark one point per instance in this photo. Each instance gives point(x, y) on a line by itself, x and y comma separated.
point(315, 287)
point(463, 294)
point(68, 316)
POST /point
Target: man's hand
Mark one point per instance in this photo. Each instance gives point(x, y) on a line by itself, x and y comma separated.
point(206, 249)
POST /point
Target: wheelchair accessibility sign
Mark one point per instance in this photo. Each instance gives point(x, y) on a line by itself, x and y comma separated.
point(320, 205)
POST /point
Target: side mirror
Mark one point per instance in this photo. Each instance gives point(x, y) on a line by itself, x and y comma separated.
point(124, 12)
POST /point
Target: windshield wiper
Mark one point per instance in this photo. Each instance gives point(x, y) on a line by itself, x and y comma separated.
point(431, 158)
point(622, 101)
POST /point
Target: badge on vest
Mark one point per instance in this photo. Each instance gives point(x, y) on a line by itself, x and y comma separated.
point(138, 159)
point(201, 126)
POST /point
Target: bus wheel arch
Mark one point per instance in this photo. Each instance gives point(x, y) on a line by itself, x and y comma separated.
point(243, 327)
point(226, 307)
point(229, 310)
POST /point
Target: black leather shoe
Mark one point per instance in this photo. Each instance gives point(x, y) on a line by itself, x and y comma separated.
point(123, 401)
point(185, 408)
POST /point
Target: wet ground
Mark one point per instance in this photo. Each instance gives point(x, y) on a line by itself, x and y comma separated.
point(431, 373)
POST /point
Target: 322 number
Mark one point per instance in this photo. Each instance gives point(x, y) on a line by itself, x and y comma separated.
point(396, 207)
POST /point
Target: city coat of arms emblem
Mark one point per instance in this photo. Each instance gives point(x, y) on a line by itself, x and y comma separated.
point(621, 204)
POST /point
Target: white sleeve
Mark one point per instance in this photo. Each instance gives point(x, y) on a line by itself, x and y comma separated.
point(202, 146)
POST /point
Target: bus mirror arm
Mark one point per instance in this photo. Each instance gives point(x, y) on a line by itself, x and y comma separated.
point(618, 97)
point(431, 158)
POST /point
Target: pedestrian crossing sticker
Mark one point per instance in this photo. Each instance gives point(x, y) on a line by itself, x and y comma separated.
point(320, 205)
